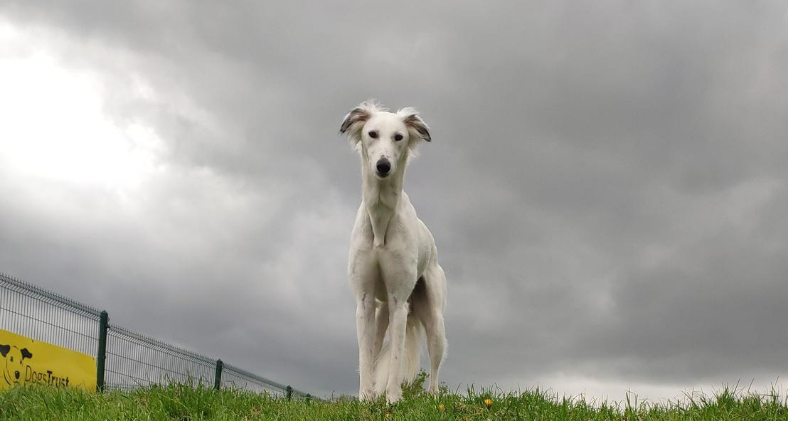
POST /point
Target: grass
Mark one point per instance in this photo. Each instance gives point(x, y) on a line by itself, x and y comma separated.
point(183, 402)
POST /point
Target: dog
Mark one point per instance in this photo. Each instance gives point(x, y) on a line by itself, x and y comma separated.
point(393, 263)
point(14, 357)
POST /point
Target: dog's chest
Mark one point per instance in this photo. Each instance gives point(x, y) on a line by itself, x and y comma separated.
point(398, 247)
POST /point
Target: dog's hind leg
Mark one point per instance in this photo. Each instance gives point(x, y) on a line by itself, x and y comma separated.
point(429, 300)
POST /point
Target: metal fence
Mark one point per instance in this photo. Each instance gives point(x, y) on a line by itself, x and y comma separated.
point(124, 359)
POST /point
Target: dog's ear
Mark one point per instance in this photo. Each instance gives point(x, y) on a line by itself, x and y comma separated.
point(4, 350)
point(355, 119)
point(26, 354)
point(415, 124)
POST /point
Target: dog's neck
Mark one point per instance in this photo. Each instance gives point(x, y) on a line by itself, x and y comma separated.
point(381, 197)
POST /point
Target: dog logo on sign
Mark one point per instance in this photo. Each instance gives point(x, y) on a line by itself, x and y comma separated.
point(14, 359)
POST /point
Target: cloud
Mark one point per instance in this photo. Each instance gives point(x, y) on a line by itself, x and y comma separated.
point(605, 185)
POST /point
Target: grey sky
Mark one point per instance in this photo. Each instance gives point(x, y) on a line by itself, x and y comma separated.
point(606, 182)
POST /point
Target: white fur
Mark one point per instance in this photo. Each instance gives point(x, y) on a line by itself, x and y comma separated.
point(390, 251)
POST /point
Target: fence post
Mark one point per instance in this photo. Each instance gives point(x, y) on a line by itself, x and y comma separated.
point(217, 379)
point(289, 392)
point(102, 350)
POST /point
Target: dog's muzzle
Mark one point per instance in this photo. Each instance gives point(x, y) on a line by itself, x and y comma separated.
point(383, 166)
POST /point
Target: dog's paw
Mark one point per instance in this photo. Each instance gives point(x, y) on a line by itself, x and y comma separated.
point(366, 395)
point(393, 396)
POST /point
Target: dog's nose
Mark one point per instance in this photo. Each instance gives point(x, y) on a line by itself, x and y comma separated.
point(384, 166)
point(16, 374)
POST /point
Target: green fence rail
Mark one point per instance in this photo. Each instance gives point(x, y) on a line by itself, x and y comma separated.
point(124, 359)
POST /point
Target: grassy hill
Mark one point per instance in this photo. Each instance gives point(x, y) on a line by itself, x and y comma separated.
point(180, 402)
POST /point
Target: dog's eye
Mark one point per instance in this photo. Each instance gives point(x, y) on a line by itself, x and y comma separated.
point(397, 137)
point(373, 134)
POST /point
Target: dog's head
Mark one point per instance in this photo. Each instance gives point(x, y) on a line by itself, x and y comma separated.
point(384, 139)
point(12, 373)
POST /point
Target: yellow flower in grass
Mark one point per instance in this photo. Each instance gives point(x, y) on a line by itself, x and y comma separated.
point(488, 402)
point(441, 407)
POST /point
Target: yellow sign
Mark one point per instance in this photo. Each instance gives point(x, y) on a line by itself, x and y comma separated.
point(29, 361)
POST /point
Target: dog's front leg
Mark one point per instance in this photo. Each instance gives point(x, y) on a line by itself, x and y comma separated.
point(365, 329)
point(382, 324)
point(398, 318)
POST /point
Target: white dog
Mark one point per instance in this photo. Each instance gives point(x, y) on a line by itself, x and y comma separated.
point(393, 265)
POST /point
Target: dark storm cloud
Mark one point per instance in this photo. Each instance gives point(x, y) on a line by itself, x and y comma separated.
point(605, 182)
